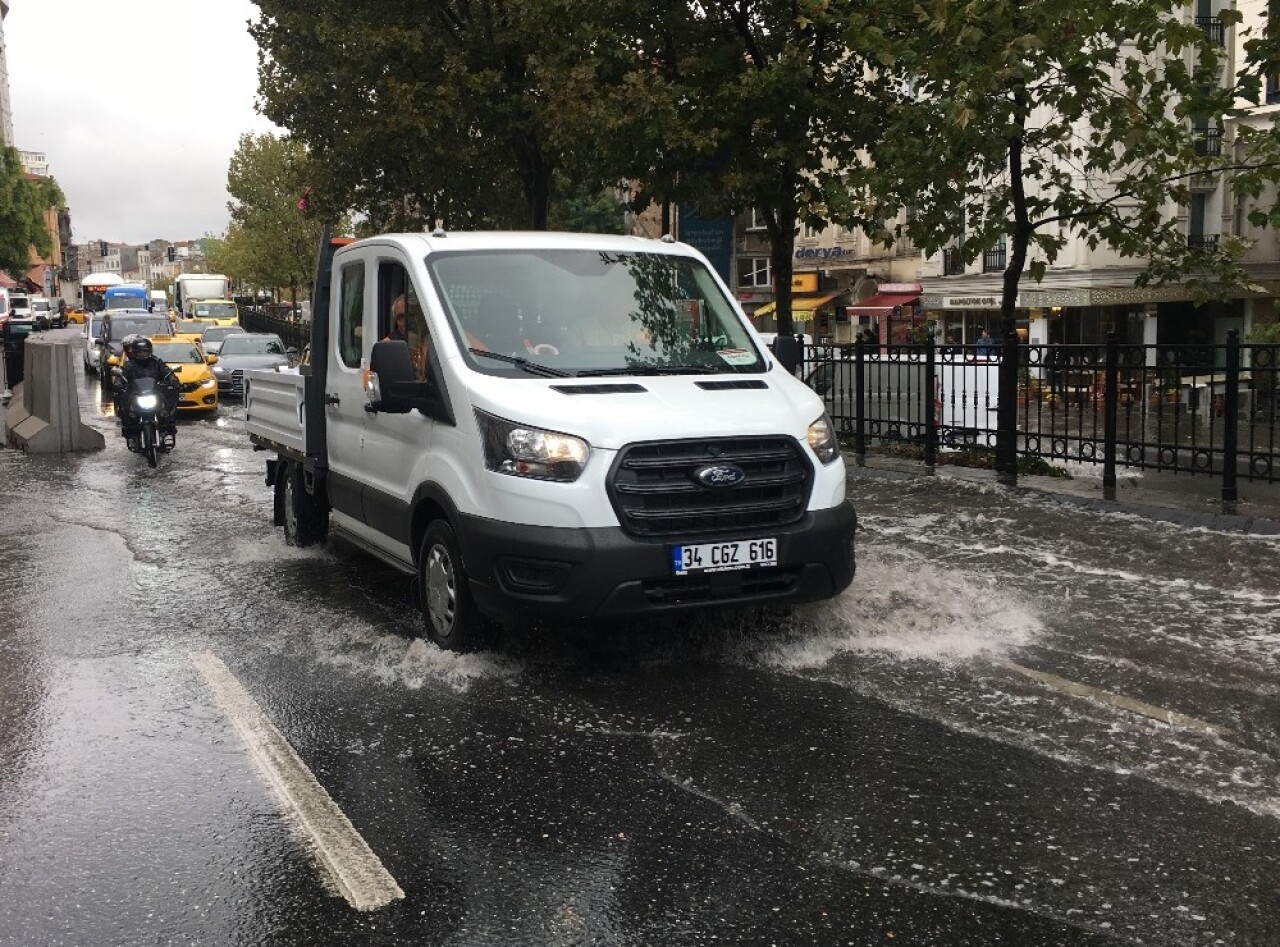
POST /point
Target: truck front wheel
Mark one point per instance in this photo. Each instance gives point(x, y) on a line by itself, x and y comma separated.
point(450, 617)
point(304, 518)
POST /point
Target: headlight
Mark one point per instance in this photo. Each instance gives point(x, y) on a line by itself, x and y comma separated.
point(524, 451)
point(147, 402)
point(209, 383)
point(822, 438)
point(218, 369)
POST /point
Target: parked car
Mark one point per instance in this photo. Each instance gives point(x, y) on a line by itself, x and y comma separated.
point(20, 314)
point(212, 338)
point(243, 351)
point(44, 312)
point(90, 332)
point(197, 385)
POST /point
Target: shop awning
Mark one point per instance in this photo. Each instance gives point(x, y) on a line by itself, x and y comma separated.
point(801, 306)
point(882, 303)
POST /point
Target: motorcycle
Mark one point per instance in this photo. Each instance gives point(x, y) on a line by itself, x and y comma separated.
point(147, 404)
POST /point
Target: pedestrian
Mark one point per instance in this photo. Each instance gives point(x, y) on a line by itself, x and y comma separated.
point(986, 344)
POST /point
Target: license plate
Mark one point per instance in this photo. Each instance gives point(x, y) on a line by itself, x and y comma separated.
point(724, 557)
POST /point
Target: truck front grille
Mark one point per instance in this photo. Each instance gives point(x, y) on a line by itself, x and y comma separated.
point(656, 493)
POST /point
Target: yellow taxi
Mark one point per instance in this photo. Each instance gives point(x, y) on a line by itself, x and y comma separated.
point(197, 388)
point(223, 312)
point(75, 315)
point(190, 330)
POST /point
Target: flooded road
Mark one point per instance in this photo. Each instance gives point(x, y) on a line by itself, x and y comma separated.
point(1025, 723)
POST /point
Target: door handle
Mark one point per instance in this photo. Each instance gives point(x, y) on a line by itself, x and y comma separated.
point(331, 399)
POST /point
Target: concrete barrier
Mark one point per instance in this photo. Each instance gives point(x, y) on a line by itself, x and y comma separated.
point(44, 416)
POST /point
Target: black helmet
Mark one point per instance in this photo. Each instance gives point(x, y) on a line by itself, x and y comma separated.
point(141, 348)
point(127, 342)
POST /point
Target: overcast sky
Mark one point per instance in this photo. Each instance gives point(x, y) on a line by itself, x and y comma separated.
point(139, 105)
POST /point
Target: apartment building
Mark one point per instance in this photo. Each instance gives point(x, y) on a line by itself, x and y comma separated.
point(6, 107)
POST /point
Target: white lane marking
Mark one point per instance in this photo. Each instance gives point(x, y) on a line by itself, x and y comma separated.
point(355, 869)
point(1171, 717)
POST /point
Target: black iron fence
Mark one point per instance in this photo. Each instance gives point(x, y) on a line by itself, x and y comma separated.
point(295, 333)
point(1200, 409)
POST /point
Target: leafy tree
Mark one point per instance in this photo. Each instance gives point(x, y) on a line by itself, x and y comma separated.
point(1023, 122)
point(735, 104)
point(271, 242)
point(588, 211)
point(23, 204)
point(418, 112)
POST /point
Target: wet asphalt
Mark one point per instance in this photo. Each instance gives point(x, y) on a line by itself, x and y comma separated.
point(903, 765)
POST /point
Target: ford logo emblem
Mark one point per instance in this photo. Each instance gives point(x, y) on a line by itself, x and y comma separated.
point(720, 475)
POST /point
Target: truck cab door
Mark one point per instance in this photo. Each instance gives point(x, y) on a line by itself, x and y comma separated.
point(344, 392)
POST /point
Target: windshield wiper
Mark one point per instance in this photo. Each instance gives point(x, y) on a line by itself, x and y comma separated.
point(648, 370)
point(533, 368)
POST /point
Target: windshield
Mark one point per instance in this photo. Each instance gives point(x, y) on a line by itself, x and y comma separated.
point(126, 302)
point(191, 326)
point(141, 325)
point(214, 310)
point(251, 345)
point(178, 353)
point(218, 333)
point(590, 312)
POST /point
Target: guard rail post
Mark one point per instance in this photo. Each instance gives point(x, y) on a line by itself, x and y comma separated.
point(1110, 405)
point(930, 404)
point(1230, 423)
point(859, 403)
point(1007, 411)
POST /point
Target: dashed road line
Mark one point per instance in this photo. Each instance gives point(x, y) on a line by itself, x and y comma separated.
point(1076, 689)
point(356, 871)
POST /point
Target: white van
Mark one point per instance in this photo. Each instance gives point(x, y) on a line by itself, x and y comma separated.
point(568, 426)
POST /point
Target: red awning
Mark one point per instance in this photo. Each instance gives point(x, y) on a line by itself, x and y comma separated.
point(882, 303)
point(6, 282)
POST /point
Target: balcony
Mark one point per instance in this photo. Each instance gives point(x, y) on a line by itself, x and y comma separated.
point(1213, 29)
point(952, 262)
point(1208, 141)
point(993, 261)
point(1205, 181)
point(1202, 241)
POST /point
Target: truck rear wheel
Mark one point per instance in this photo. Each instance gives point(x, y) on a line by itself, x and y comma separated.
point(304, 517)
point(450, 617)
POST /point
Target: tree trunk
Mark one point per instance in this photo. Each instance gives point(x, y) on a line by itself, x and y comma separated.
point(780, 222)
point(1020, 239)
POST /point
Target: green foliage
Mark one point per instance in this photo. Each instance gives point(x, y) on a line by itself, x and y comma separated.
point(1033, 121)
point(270, 243)
point(588, 212)
point(23, 204)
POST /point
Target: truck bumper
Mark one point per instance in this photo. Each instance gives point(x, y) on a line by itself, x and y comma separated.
point(519, 571)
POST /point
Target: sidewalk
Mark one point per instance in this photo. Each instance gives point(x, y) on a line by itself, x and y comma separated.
point(1176, 498)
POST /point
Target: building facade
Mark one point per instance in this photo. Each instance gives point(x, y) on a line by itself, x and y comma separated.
point(6, 107)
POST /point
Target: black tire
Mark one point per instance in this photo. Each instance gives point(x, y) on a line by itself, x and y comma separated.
point(149, 443)
point(449, 615)
point(305, 519)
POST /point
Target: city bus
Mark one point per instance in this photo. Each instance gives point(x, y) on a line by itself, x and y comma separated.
point(92, 288)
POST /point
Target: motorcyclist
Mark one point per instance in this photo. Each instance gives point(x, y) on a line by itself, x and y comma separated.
point(141, 362)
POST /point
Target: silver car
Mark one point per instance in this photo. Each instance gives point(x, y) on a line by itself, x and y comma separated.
point(245, 351)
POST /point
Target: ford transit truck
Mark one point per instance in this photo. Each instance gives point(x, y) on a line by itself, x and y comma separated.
point(563, 426)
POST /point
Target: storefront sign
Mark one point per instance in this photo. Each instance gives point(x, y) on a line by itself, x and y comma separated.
point(976, 302)
point(804, 282)
point(712, 238)
point(821, 253)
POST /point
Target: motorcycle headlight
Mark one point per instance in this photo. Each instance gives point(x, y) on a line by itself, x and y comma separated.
point(524, 451)
point(147, 402)
point(822, 438)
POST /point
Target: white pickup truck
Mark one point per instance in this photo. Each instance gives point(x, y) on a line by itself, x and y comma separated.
point(566, 426)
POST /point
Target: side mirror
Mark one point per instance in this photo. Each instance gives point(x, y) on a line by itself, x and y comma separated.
point(211, 359)
point(391, 386)
point(292, 353)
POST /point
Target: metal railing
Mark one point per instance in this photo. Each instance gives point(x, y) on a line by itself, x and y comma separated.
point(1202, 241)
point(993, 261)
point(294, 333)
point(1207, 410)
point(1213, 29)
point(952, 262)
point(1208, 141)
